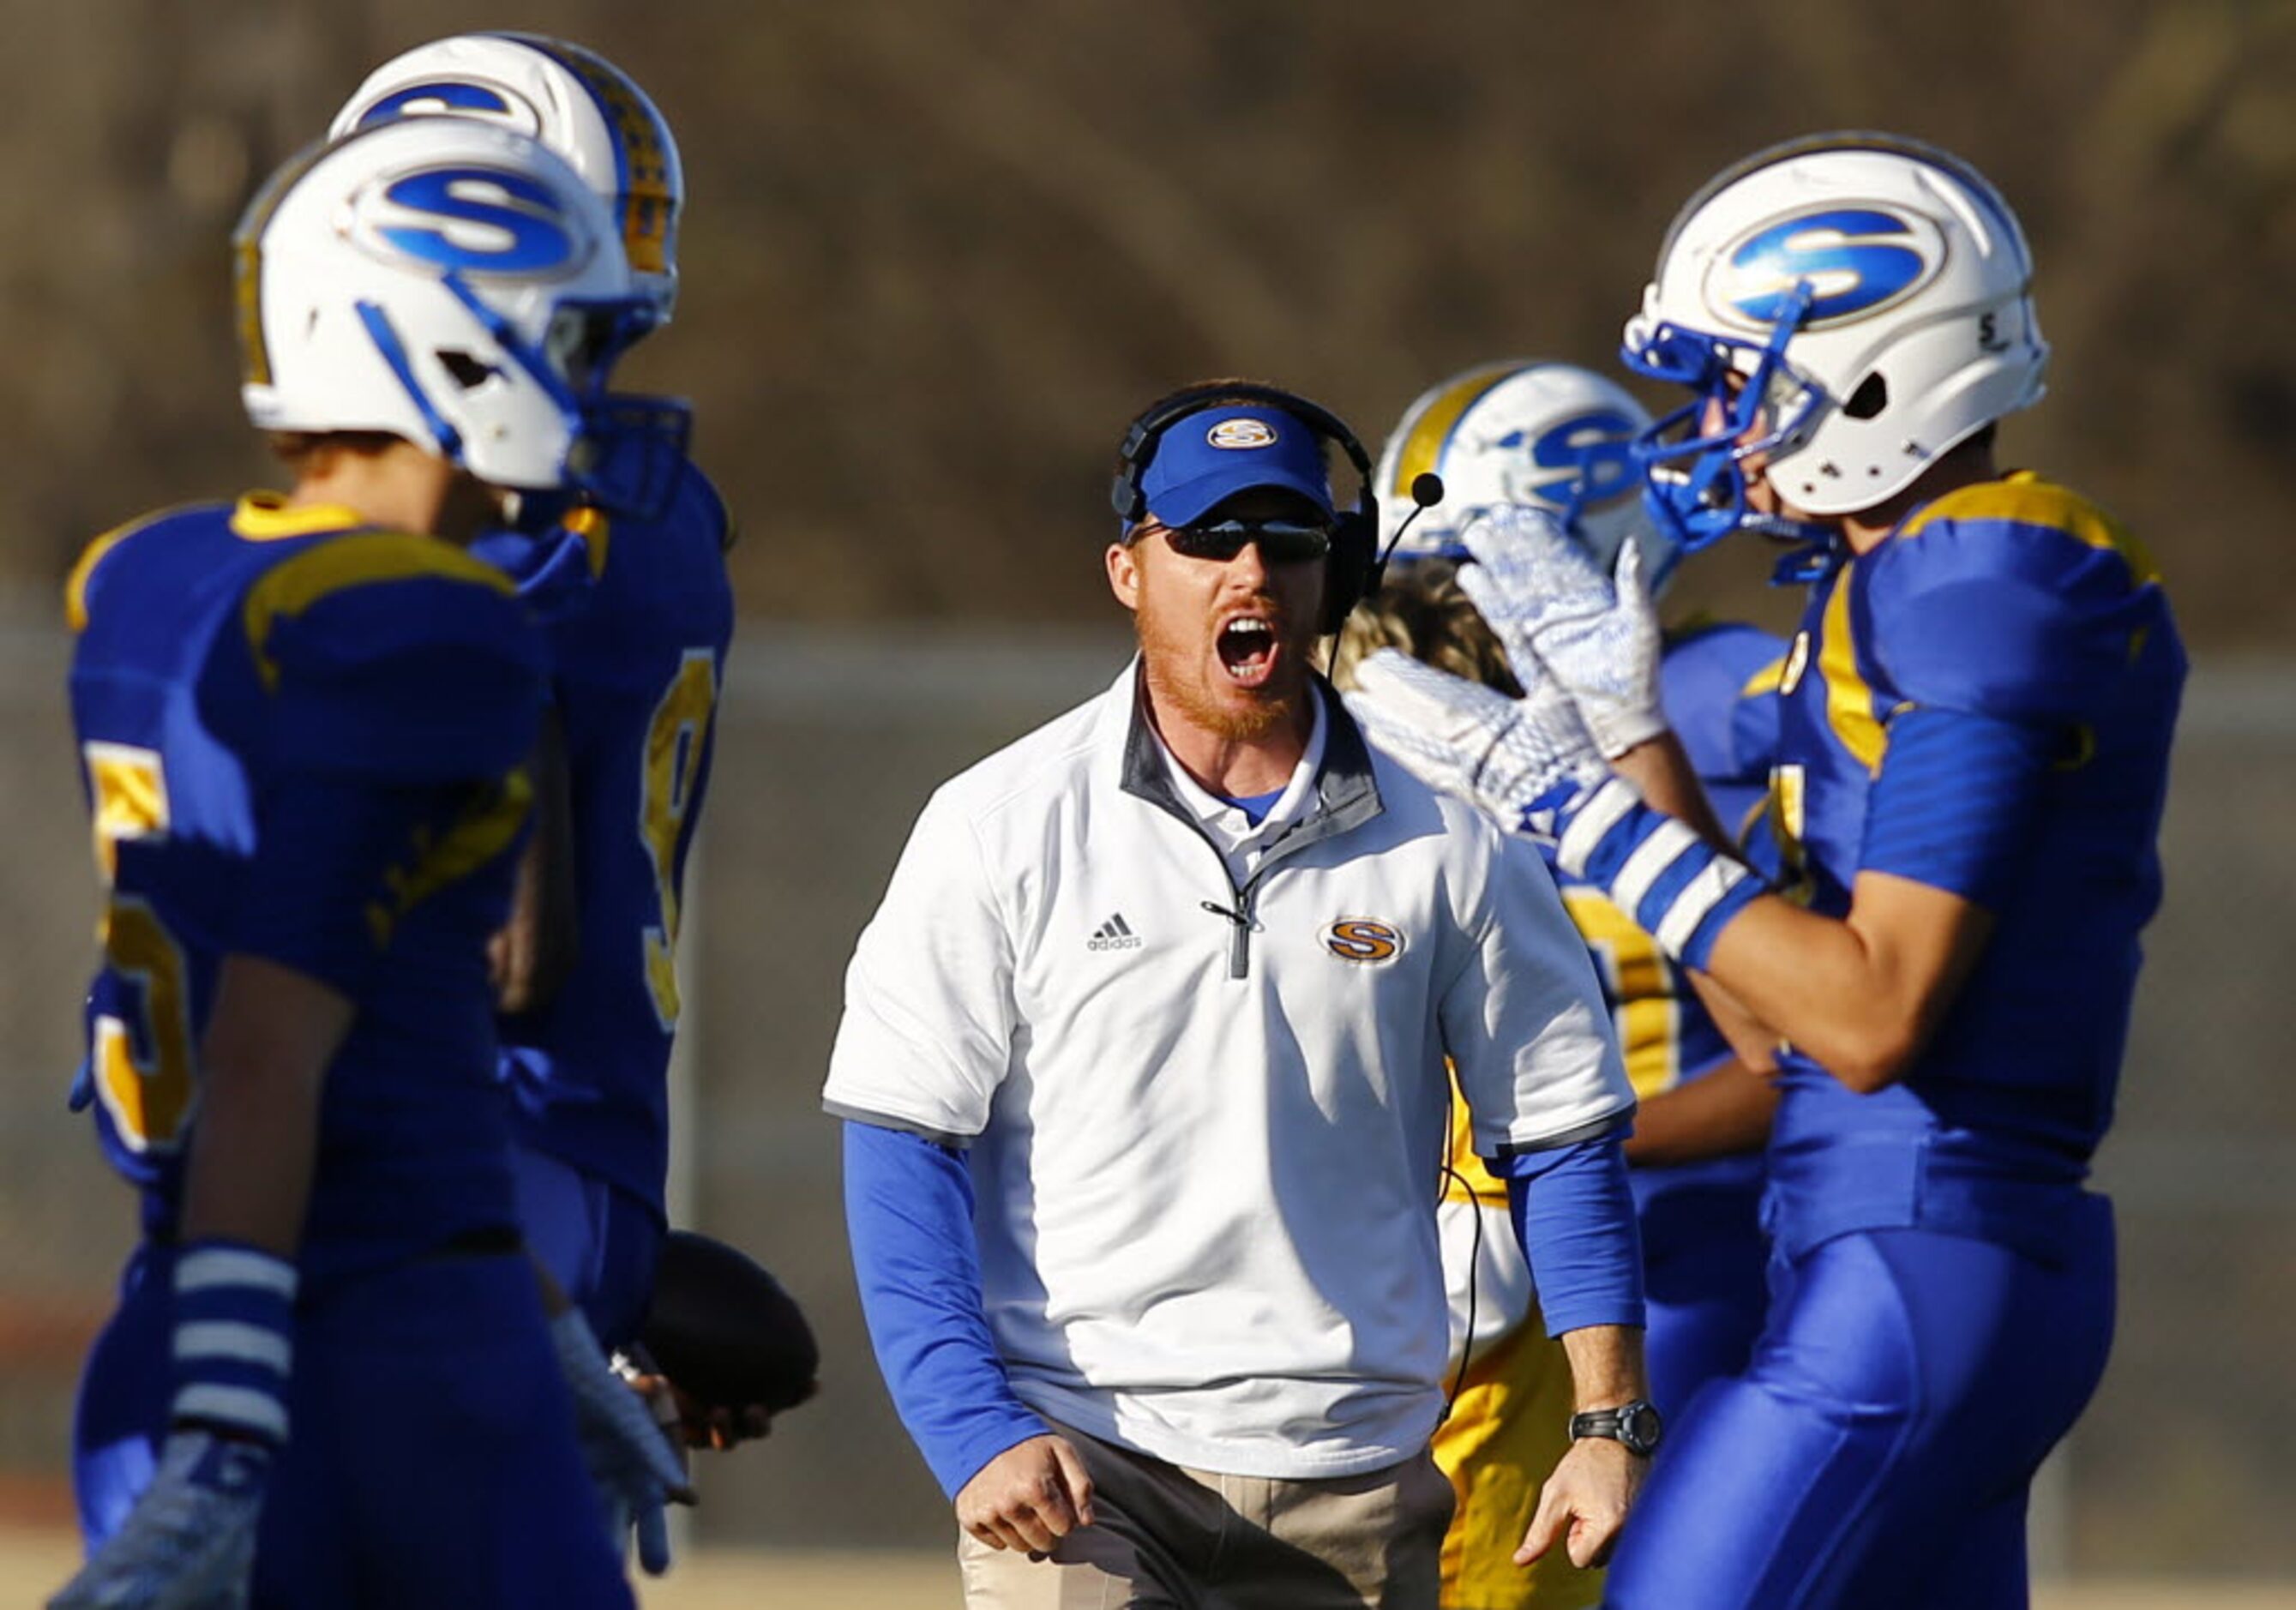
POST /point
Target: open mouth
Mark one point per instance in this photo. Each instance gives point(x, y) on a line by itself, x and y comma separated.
point(1247, 650)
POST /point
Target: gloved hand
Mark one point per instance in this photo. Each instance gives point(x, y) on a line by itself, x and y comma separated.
point(1598, 636)
point(1522, 760)
point(631, 1460)
point(189, 1544)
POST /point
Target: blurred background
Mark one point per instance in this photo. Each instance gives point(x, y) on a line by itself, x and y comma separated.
point(936, 254)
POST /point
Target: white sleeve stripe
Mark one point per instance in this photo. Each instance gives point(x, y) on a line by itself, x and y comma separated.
point(259, 1411)
point(214, 1266)
point(1666, 844)
point(240, 1343)
point(1594, 819)
point(1698, 896)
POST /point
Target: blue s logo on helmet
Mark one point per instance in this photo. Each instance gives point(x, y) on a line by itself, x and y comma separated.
point(452, 97)
point(471, 220)
point(1855, 259)
point(1582, 462)
point(1594, 450)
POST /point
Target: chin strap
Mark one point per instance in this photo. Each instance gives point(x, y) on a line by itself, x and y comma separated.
point(1816, 551)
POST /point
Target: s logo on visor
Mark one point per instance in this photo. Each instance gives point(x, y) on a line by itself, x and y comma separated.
point(1242, 433)
point(448, 97)
point(473, 220)
point(1856, 258)
point(1362, 939)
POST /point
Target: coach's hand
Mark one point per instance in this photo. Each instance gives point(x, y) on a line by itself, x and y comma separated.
point(1585, 1502)
point(1029, 1497)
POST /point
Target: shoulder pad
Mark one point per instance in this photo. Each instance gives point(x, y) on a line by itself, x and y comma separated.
point(80, 588)
point(2014, 598)
point(395, 656)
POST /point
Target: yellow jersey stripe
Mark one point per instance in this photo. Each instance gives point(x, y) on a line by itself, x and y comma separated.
point(483, 831)
point(357, 560)
point(2026, 499)
point(1766, 680)
point(1849, 696)
point(1423, 445)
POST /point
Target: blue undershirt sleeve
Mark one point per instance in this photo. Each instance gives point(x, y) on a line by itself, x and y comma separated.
point(908, 1211)
point(1574, 1214)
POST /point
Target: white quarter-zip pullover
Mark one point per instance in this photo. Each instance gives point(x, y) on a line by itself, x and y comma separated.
point(1203, 1083)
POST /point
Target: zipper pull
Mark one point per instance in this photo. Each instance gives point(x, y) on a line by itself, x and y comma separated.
point(1239, 946)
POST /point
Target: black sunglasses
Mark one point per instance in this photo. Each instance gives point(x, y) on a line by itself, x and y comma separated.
point(1281, 541)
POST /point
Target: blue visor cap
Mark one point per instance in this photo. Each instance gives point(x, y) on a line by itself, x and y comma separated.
point(1207, 458)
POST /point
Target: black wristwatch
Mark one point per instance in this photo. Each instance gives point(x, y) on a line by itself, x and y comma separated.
point(1634, 1425)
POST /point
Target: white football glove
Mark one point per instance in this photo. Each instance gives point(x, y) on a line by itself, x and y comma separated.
point(632, 1462)
point(1543, 595)
point(1521, 760)
point(189, 1544)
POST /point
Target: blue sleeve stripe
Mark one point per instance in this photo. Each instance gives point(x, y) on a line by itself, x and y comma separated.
point(1957, 802)
point(908, 1210)
point(1574, 1214)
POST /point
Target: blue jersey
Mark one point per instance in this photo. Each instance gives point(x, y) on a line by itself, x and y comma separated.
point(635, 665)
point(1718, 686)
point(2015, 613)
point(301, 740)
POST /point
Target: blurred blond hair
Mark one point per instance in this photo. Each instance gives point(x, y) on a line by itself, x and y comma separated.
point(1421, 610)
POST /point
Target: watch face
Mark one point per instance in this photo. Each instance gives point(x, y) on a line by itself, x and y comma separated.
point(1639, 1427)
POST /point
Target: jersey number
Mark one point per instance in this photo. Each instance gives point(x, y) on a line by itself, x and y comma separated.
point(142, 1069)
point(673, 766)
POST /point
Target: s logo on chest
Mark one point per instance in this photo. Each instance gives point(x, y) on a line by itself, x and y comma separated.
point(1363, 938)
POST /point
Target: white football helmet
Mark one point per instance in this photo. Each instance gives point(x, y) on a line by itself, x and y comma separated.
point(1543, 435)
point(1855, 304)
point(446, 280)
point(574, 101)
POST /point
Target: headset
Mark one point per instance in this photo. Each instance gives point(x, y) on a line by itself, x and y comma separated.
point(1355, 562)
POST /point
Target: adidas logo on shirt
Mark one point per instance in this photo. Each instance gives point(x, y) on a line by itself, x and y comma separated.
point(1114, 934)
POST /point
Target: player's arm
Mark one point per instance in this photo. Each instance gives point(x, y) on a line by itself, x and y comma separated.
point(1721, 1114)
point(263, 1060)
point(283, 1006)
point(1860, 995)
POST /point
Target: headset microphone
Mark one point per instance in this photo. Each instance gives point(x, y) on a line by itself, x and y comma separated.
point(1426, 492)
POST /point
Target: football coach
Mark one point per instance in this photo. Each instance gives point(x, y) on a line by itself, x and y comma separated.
point(1142, 1071)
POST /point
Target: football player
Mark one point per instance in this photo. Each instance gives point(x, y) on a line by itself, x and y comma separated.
point(1973, 757)
point(1553, 439)
point(301, 720)
point(639, 613)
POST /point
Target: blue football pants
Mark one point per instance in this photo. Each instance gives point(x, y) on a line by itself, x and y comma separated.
point(431, 1459)
point(1877, 1452)
point(598, 1242)
point(1706, 1283)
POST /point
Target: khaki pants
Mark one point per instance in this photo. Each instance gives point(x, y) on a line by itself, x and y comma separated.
point(1174, 1538)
